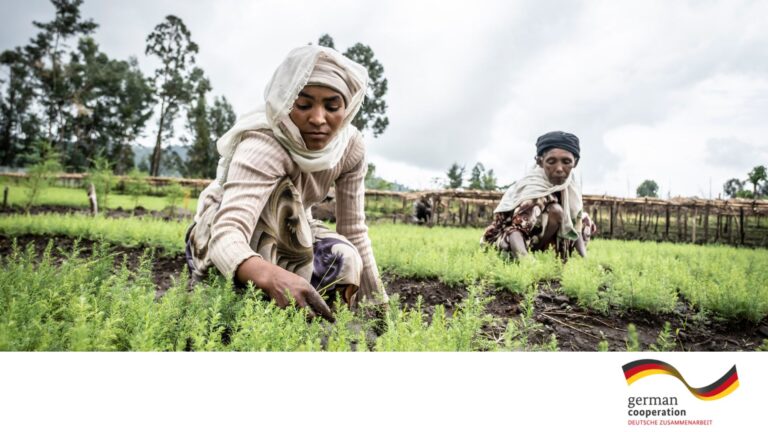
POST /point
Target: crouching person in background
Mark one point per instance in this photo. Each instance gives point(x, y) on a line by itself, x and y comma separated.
point(422, 211)
point(544, 209)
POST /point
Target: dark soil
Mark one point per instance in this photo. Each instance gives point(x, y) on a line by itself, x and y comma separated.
point(581, 329)
point(576, 328)
point(119, 212)
point(165, 268)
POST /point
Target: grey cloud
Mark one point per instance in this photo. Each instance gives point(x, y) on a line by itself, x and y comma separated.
point(433, 133)
point(16, 26)
point(734, 153)
point(453, 129)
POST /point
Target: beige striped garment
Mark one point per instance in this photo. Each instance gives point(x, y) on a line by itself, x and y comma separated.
point(258, 164)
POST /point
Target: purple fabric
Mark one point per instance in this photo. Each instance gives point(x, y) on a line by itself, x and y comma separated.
point(327, 265)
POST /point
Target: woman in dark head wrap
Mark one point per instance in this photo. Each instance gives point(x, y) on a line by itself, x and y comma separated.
point(544, 209)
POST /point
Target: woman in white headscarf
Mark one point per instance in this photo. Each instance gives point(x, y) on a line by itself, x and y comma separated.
point(254, 223)
point(544, 209)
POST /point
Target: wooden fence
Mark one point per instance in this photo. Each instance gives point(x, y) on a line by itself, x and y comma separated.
point(77, 179)
point(693, 220)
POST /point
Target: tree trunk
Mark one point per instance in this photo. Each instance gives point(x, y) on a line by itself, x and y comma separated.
point(154, 169)
point(92, 199)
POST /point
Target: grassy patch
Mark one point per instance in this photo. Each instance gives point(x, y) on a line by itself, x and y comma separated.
point(727, 281)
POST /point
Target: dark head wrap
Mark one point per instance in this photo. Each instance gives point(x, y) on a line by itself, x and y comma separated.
point(558, 139)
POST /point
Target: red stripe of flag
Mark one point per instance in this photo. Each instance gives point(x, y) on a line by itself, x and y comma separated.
point(722, 387)
point(644, 367)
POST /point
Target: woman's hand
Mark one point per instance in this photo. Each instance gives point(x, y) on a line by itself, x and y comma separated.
point(282, 285)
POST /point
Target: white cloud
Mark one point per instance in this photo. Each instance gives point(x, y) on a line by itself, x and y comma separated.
point(654, 89)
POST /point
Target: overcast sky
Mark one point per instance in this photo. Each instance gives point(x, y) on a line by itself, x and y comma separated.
point(672, 91)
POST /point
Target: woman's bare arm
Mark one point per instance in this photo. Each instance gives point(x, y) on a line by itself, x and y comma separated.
point(282, 285)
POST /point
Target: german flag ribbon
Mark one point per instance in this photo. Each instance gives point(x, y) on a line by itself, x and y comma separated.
point(729, 382)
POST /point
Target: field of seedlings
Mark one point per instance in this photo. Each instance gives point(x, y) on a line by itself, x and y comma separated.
point(70, 281)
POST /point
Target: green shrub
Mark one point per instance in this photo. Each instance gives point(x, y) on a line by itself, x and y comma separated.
point(103, 179)
point(45, 165)
point(174, 193)
point(136, 185)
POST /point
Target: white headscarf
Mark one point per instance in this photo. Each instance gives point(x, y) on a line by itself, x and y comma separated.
point(308, 64)
point(535, 184)
point(290, 77)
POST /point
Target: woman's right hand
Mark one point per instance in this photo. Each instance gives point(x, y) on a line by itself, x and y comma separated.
point(282, 285)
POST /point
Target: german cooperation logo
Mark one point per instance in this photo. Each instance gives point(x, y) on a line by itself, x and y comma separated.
point(665, 410)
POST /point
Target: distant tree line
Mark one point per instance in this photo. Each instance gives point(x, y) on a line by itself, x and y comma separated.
point(61, 95)
point(757, 178)
point(479, 178)
point(648, 188)
point(372, 181)
point(60, 91)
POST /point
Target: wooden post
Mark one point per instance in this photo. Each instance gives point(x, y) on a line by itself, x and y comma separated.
point(685, 226)
point(648, 218)
point(666, 222)
point(612, 221)
point(437, 211)
point(693, 233)
point(741, 224)
point(637, 218)
point(92, 199)
point(679, 226)
point(719, 227)
point(620, 219)
point(5, 197)
point(466, 213)
point(599, 216)
point(706, 224)
point(729, 224)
